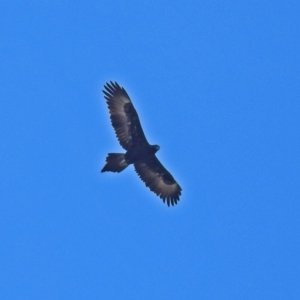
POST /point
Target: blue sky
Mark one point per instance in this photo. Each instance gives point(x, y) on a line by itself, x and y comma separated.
point(216, 85)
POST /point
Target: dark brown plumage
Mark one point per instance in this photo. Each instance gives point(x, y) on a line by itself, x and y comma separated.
point(140, 153)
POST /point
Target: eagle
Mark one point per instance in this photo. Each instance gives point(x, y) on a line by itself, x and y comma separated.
point(139, 152)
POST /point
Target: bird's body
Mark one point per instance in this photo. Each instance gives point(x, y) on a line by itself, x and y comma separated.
point(140, 153)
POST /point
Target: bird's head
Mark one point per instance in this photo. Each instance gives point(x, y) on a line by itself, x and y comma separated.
point(155, 148)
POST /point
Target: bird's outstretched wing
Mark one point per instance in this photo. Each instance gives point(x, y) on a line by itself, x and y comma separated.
point(158, 179)
point(124, 117)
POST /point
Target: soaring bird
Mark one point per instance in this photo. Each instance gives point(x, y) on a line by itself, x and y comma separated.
point(139, 152)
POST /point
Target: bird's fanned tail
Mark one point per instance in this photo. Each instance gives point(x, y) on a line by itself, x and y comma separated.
point(115, 162)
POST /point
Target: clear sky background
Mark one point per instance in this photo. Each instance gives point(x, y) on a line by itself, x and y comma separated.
point(216, 85)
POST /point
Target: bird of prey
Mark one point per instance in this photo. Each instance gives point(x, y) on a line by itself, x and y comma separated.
point(139, 152)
